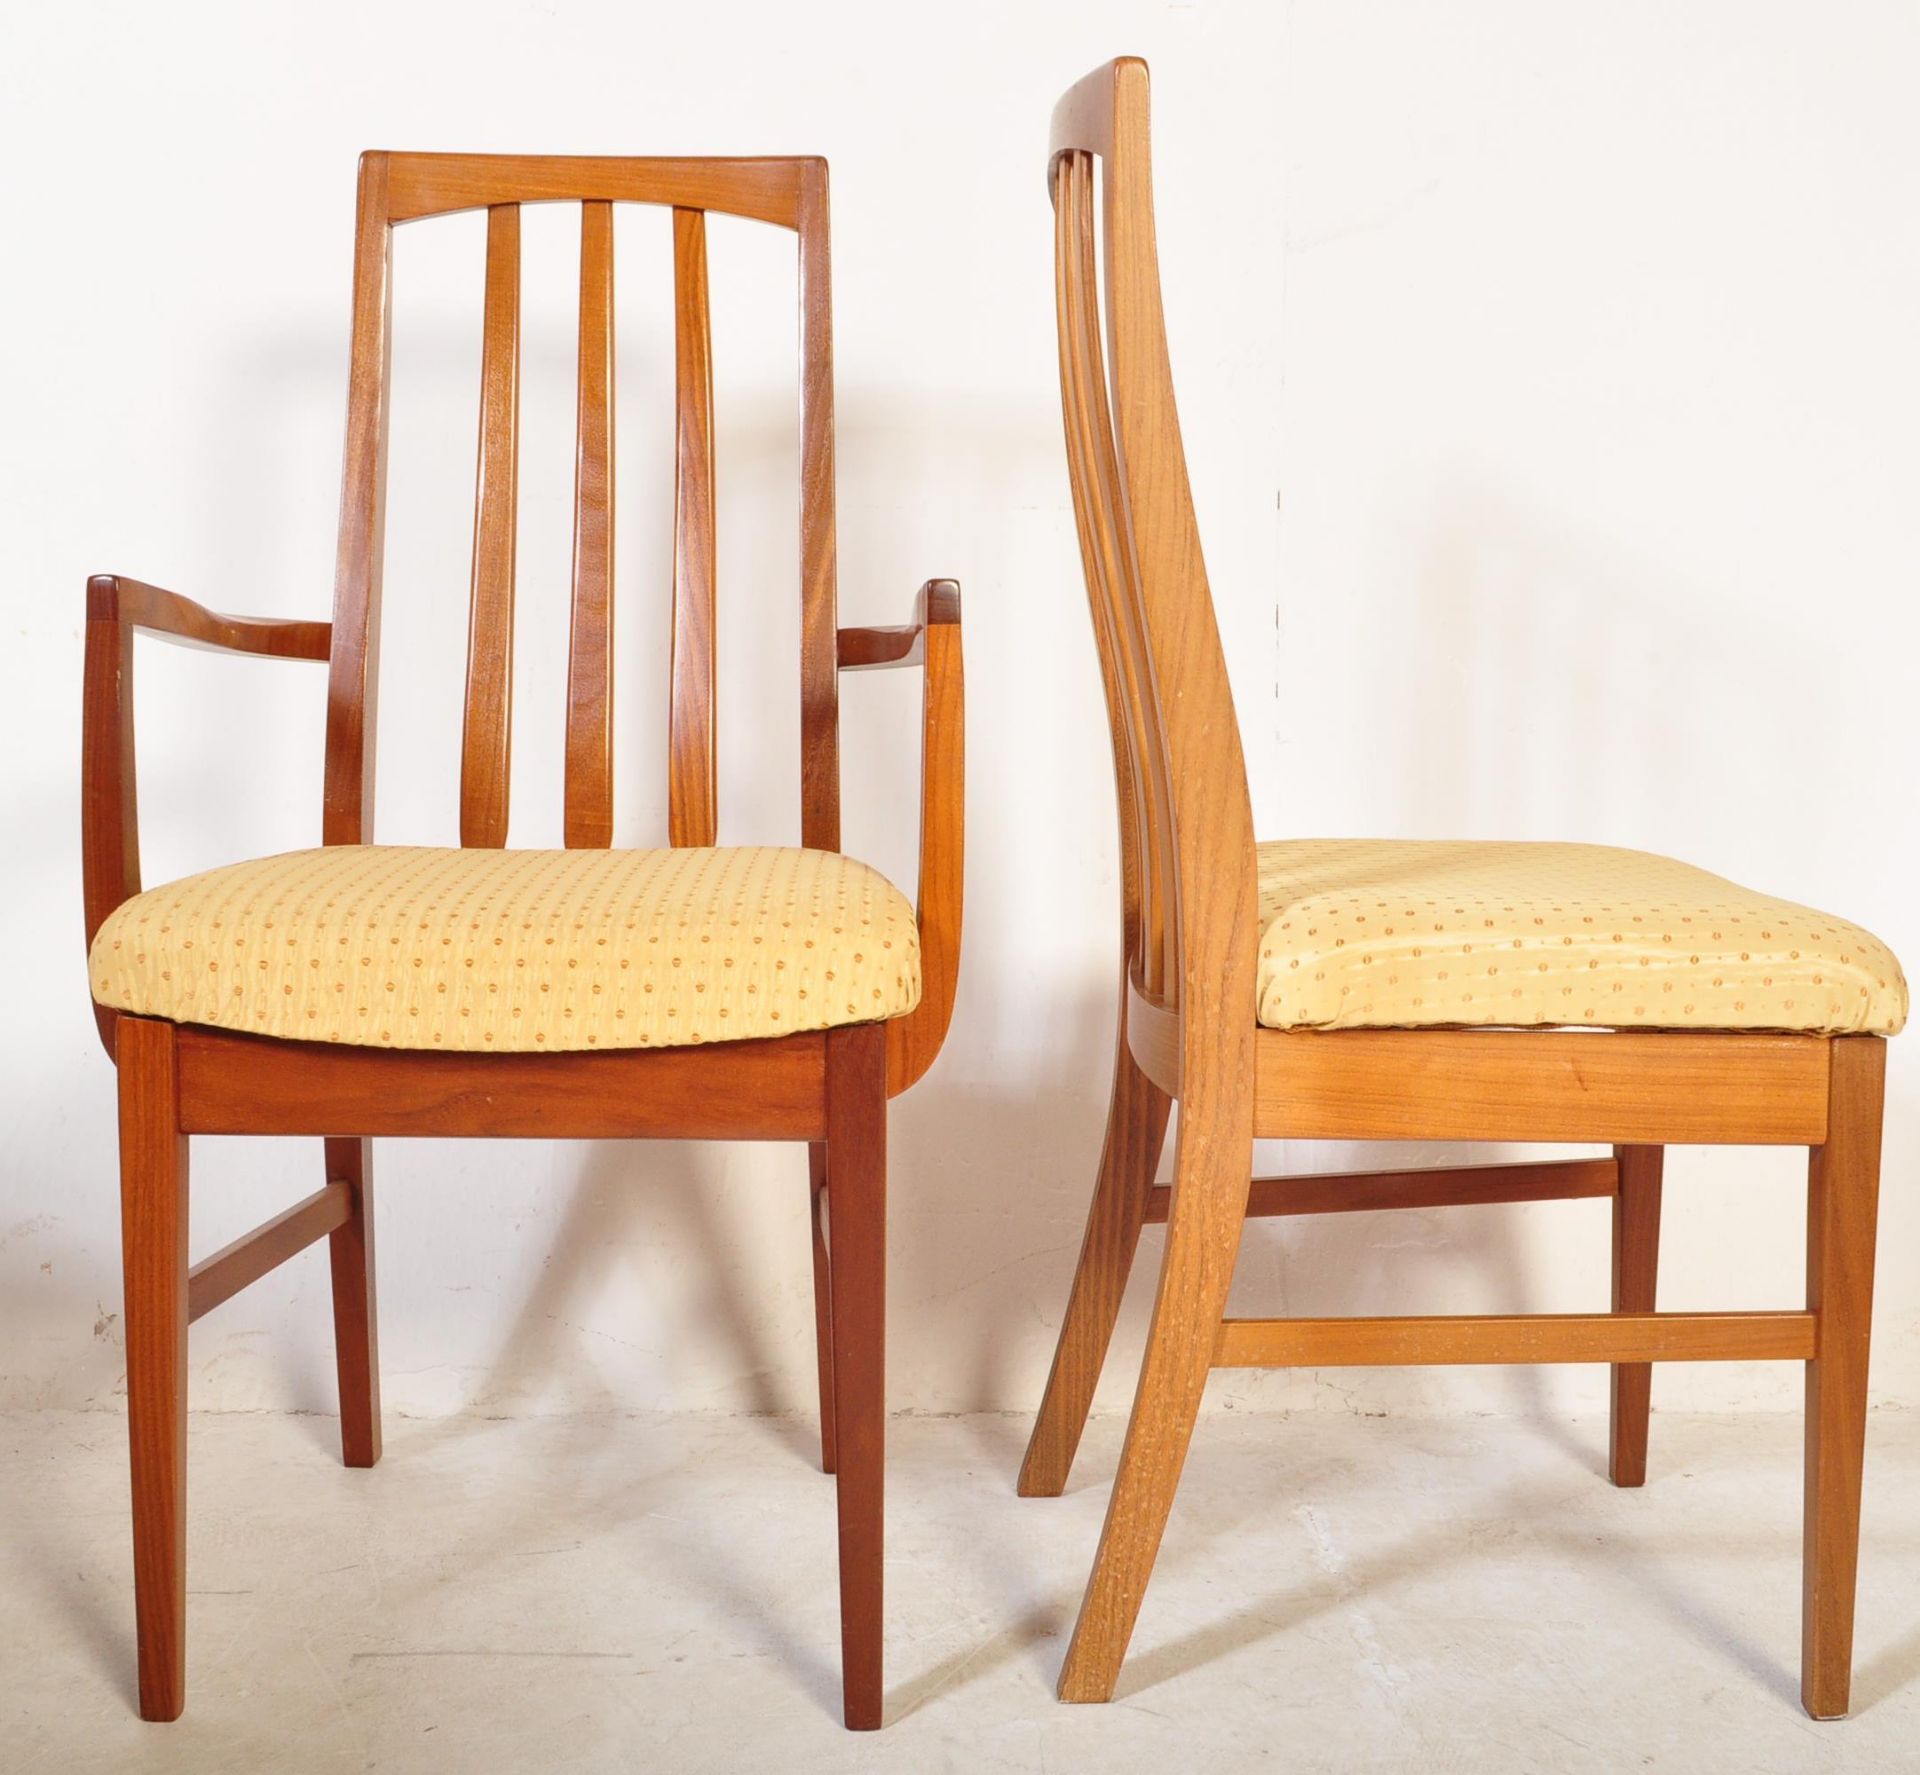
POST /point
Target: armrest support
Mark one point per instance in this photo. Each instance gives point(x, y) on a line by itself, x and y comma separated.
point(931, 641)
point(109, 808)
point(902, 644)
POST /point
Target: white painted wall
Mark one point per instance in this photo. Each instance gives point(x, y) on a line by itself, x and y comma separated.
point(1550, 380)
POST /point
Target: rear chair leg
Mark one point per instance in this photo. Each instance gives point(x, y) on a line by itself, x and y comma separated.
point(819, 1209)
point(1136, 1131)
point(1843, 1190)
point(857, 1163)
point(356, 1338)
point(1636, 1262)
point(153, 1224)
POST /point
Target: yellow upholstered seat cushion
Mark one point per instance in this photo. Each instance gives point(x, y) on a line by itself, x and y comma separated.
point(517, 950)
point(1361, 934)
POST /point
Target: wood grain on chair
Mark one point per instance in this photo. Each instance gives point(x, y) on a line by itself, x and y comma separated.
point(1193, 924)
point(825, 1085)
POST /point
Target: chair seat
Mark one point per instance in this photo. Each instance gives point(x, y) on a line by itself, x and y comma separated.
point(1366, 934)
point(517, 950)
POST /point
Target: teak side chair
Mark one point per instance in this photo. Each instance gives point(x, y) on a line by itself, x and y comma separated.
point(1377, 991)
point(693, 992)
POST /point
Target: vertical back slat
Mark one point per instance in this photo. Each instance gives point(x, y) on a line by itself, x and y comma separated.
point(789, 193)
point(1209, 894)
point(692, 792)
point(819, 671)
point(589, 796)
point(1112, 576)
point(485, 754)
point(1093, 522)
point(353, 673)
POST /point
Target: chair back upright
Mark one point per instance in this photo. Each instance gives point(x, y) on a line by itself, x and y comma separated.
point(399, 188)
point(1186, 832)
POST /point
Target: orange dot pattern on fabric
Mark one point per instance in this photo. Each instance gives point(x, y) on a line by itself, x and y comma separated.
point(517, 951)
point(1382, 934)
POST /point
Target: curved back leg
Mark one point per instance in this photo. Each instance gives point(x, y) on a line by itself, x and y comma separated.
point(817, 1213)
point(356, 1336)
point(1136, 1131)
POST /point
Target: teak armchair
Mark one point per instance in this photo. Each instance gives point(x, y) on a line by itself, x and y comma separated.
point(1377, 991)
point(359, 991)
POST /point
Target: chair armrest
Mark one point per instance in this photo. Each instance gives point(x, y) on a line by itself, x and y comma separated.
point(931, 641)
point(902, 644)
point(109, 807)
point(131, 604)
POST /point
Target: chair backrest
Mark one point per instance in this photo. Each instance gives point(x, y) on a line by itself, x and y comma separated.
point(396, 188)
point(1186, 828)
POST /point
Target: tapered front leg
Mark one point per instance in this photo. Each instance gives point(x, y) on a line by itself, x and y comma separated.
point(153, 1226)
point(356, 1336)
point(857, 1173)
point(1843, 1193)
point(1212, 1176)
point(1636, 1264)
point(1136, 1130)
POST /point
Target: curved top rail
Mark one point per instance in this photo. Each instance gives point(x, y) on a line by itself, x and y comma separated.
point(1083, 117)
point(761, 189)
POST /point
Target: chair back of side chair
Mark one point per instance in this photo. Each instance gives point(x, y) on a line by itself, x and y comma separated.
point(1186, 830)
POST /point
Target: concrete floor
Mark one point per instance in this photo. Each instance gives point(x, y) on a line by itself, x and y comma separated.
point(657, 1593)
